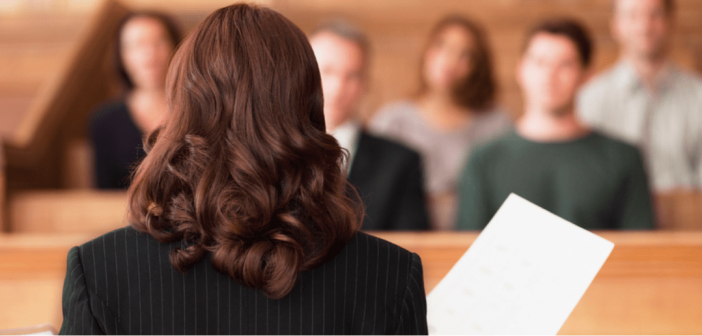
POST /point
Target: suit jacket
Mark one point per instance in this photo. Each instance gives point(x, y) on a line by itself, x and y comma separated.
point(123, 283)
point(388, 176)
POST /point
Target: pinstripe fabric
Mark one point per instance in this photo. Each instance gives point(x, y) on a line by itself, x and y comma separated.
point(123, 283)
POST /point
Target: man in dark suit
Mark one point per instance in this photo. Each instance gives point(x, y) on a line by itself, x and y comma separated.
point(387, 175)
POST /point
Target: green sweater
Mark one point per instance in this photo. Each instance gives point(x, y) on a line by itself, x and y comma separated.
point(595, 182)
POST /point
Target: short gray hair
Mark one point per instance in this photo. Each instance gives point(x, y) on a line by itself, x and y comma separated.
point(347, 31)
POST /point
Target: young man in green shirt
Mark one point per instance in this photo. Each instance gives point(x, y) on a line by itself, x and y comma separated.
point(551, 158)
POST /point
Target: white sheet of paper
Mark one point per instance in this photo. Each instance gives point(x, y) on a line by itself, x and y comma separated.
point(524, 274)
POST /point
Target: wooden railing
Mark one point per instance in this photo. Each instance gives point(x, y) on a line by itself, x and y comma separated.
point(37, 131)
point(651, 283)
point(77, 87)
point(71, 211)
point(78, 211)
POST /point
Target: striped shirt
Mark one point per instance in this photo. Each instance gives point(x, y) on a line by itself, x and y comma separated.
point(124, 283)
point(665, 124)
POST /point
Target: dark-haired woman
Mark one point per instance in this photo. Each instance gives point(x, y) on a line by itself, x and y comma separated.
point(453, 110)
point(142, 51)
point(241, 216)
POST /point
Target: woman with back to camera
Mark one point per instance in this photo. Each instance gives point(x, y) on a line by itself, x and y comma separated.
point(143, 47)
point(241, 219)
point(453, 110)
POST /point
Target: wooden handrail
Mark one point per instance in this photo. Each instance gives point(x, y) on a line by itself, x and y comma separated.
point(651, 283)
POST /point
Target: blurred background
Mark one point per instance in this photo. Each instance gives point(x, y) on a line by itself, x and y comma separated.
point(55, 68)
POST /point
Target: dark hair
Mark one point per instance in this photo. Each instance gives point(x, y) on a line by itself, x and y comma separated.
point(569, 28)
point(172, 29)
point(347, 31)
point(243, 169)
point(478, 90)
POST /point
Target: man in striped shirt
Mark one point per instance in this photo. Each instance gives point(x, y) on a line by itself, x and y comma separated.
point(647, 101)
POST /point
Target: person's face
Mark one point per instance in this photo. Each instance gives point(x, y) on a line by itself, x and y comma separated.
point(641, 27)
point(146, 51)
point(550, 72)
point(342, 66)
point(449, 58)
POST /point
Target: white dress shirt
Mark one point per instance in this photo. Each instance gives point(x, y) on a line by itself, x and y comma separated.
point(347, 136)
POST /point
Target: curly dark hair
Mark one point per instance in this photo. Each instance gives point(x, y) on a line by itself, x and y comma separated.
point(243, 169)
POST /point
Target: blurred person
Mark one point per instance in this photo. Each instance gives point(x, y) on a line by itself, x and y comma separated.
point(646, 100)
point(386, 174)
point(552, 159)
point(241, 219)
point(453, 111)
point(142, 50)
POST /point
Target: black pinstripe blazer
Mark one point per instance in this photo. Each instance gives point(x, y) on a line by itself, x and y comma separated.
point(123, 283)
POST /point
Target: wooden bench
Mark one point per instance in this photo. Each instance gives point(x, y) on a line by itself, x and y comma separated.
point(32, 269)
point(651, 284)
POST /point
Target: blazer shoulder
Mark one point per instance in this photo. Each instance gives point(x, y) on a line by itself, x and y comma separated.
point(386, 254)
point(386, 147)
point(363, 239)
point(125, 233)
point(123, 241)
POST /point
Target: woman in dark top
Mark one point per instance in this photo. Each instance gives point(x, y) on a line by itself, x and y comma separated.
point(241, 219)
point(143, 47)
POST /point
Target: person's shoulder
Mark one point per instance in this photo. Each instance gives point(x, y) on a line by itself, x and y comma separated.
point(616, 149)
point(605, 140)
point(108, 112)
point(363, 239)
point(382, 251)
point(125, 235)
point(604, 80)
point(392, 113)
point(497, 146)
point(398, 107)
point(498, 116)
point(389, 148)
point(601, 86)
point(109, 108)
point(494, 123)
point(688, 79)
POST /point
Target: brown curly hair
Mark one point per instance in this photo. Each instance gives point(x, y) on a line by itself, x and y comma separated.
point(243, 169)
point(478, 90)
